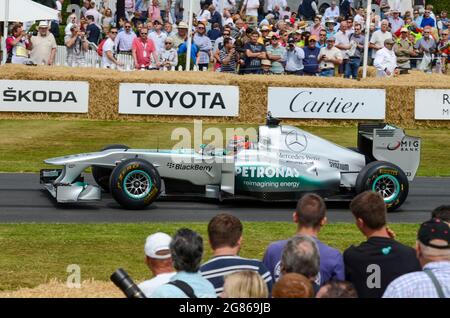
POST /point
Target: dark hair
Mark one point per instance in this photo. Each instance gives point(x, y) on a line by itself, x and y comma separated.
point(310, 210)
point(442, 212)
point(339, 289)
point(370, 207)
point(255, 32)
point(90, 17)
point(186, 249)
point(226, 41)
point(15, 27)
point(224, 230)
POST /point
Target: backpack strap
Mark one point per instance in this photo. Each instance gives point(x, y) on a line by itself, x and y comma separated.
point(184, 287)
point(436, 283)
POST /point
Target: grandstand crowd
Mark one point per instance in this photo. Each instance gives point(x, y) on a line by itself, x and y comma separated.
point(303, 266)
point(244, 37)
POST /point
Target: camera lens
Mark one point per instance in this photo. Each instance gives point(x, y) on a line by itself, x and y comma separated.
point(122, 280)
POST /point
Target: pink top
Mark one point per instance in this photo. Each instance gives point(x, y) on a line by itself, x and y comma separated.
point(316, 31)
point(154, 13)
point(143, 51)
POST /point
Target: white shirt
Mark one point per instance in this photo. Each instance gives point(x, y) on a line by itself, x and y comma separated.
point(252, 7)
point(204, 15)
point(158, 40)
point(149, 286)
point(58, 6)
point(108, 46)
point(378, 38)
point(360, 20)
point(330, 13)
point(333, 53)
point(385, 60)
point(272, 3)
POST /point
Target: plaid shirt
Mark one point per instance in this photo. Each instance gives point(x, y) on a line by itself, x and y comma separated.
point(419, 285)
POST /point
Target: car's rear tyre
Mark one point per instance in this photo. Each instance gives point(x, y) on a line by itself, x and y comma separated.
point(101, 174)
point(135, 184)
point(386, 179)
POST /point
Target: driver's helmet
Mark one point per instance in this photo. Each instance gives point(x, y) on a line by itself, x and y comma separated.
point(237, 143)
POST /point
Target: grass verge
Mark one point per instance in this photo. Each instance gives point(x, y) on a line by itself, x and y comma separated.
point(34, 254)
point(25, 144)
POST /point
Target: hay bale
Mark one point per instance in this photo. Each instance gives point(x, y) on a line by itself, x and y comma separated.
point(104, 93)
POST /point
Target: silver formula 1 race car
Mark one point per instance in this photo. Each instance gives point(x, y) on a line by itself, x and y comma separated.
point(282, 164)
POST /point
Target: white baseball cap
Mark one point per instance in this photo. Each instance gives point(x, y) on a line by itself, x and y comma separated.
point(155, 243)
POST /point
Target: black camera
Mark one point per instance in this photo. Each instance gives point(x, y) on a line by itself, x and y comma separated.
point(121, 279)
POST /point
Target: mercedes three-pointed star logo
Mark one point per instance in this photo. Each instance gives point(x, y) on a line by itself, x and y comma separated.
point(296, 141)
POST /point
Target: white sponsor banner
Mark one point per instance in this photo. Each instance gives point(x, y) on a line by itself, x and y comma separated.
point(327, 103)
point(44, 96)
point(178, 99)
point(432, 104)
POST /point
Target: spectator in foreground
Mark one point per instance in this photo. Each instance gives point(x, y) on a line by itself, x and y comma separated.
point(77, 46)
point(372, 265)
point(337, 289)
point(159, 261)
point(404, 50)
point(301, 256)
point(311, 52)
point(293, 285)
point(17, 45)
point(143, 49)
point(385, 60)
point(186, 249)
point(244, 284)
point(228, 57)
point(225, 238)
point(293, 57)
point(329, 58)
point(168, 57)
point(442, 212)
point(254, 53)
point(310, 216)
point(356, 53)
point(43, 46)
point(109, 50)
point(204, 45)
point(433, 252)
point(275, 53)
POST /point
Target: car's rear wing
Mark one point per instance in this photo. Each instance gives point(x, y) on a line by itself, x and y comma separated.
point(386, 142)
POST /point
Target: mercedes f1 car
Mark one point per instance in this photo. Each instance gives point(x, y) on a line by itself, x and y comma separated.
point(284, 163)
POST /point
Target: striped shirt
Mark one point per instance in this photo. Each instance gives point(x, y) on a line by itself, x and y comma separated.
point(231, 66)
point(215, 269)
point(419, 285)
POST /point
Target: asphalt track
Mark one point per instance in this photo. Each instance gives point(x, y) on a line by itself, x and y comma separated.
point(23, 200)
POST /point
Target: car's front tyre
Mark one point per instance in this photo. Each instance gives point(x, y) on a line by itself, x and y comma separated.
point(135, 184)
point(386, 179)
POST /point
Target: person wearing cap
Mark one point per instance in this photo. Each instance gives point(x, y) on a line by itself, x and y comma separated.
point(329, 57)
point(263, 39)
point(43, 46)
point(181, 34)
point(378, 38)
point(396, 21)
point(159, 262)
point(275, 54)
point(404, 50)
point(293, 58)
point(433, 253)
point(442, 212)
point(385, 60)
point(186, 249)
point(167, 57)
point(374, 264)
point(226, 239)
point(311, 66)
point(77, 46)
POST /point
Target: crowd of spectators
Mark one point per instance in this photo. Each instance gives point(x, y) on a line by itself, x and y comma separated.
point(247, 37)
point(303, 266)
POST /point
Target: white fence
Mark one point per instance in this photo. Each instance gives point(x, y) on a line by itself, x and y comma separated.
point(93, 59)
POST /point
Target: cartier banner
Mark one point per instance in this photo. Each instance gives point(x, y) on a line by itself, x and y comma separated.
point(327, 103)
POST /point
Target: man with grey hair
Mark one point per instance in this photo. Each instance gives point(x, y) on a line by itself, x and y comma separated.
point(433, 252)
point(378, 38)
point(186, 249)
point(301, 256)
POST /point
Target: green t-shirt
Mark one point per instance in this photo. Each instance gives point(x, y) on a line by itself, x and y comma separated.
point(277, 67)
